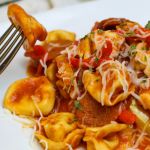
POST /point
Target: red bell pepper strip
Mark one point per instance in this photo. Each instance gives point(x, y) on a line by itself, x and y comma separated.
point(106, 51)
point(127, 117)
point(97, 63)
point(75, 62)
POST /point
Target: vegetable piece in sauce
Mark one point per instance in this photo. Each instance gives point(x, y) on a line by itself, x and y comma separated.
point(142, 118)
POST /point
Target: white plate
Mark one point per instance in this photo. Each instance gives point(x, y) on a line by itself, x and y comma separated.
point(79, 19)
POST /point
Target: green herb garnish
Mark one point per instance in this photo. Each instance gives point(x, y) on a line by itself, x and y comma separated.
point(77, 105)
point(145, 58)
point(99, 31)
point(96, 59)
point(72, 80)
point(131, 33)
point(79, 82)
point(148, 25)
point(132, 47)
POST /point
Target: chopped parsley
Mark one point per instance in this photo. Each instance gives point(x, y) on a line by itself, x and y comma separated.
point(148, 25)
point(99, 31)
point(72, 80)
point(79, 82)
point(131, 33)
point(132, 47)
point(145, 58)
point(96, 59)
point(77, 105)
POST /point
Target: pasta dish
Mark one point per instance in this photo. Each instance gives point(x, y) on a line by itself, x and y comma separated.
point(91, 93)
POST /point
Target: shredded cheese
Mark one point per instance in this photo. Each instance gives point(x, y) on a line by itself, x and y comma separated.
point(40, 112)
point(32, 136)
point(45, 143)
point(69, 146)
point(99, 43)
point(136, 96)
point(117, 68)
point(76, 89)
point(140, 138)
point(82, 96)
point(43, 62)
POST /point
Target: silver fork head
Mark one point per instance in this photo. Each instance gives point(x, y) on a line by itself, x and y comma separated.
point(10, 42)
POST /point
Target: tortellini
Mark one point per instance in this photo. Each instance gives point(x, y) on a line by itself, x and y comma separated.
point(111, 87)
point(102, 138)
point(66, 75)
point(61, 129)
point(30, 97)
point(65, 71)
point(51, 72)
point(142, 58)
point(49, 144)
point(60, 35)
point(84, 48)
point(62, 122)
point(145, 98)
point(116, 40)
point(31, 28)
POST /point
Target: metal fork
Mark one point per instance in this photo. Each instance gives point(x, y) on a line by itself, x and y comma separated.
point(10, 42)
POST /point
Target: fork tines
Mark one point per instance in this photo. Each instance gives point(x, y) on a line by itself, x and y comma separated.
point(10, 42)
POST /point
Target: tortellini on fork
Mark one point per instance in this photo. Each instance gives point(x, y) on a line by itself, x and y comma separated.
point(31, 28)
point(30, 97)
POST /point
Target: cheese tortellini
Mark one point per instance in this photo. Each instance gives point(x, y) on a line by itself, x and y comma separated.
point(111, 87)
point(49, 144)
point(31, 28)
point(102, 138)
point(141, 59)
point(30, 97)
point(61, 129)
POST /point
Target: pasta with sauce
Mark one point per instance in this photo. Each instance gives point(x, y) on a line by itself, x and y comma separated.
point(92, 92)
